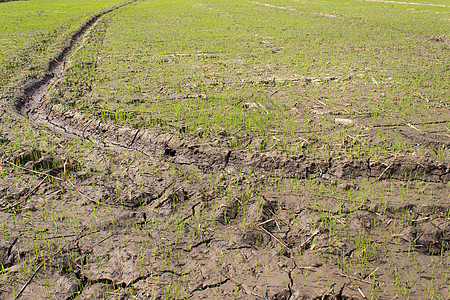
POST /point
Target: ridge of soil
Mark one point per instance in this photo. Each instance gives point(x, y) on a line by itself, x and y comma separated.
point(30, 101)
point(206, 156)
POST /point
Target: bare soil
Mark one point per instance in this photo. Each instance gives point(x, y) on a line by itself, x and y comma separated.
point(96, 210)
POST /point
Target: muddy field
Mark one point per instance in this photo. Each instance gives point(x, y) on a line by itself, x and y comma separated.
point(92, 207)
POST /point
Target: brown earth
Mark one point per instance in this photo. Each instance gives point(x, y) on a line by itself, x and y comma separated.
point(95, 210)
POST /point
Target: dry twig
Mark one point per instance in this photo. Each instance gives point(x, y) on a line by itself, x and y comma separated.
point(352, 277)
point(306, 242)
point(36, 271)
point(274, 237)
point(25, 198)
point(382, 173)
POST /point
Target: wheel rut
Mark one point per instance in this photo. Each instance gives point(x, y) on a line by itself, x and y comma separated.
point(31, 103)
point(33, 93)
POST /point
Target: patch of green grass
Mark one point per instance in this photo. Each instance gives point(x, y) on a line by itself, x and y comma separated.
point(266, 78)
point(32, 32)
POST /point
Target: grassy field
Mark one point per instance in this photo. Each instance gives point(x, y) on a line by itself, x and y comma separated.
point(32, 32)
point(224, 149)
point(269, 78)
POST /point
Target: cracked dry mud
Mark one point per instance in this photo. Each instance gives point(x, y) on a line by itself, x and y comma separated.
point(100, 211)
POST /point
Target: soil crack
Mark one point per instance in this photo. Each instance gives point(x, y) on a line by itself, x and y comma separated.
point(203, 287)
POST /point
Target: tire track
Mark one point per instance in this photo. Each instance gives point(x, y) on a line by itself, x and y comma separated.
point(158, 146)
point(32, 104)
point(33, 93)
point(408, 3)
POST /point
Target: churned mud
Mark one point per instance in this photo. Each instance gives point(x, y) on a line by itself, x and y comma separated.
point(95, 210)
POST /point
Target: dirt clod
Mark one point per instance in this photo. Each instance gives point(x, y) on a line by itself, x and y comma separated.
point(433, 238)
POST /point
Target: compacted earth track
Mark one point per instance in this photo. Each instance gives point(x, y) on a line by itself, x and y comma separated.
point(96, 210)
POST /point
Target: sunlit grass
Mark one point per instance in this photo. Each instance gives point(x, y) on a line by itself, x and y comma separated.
point(270, 78)
point(32, 32)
